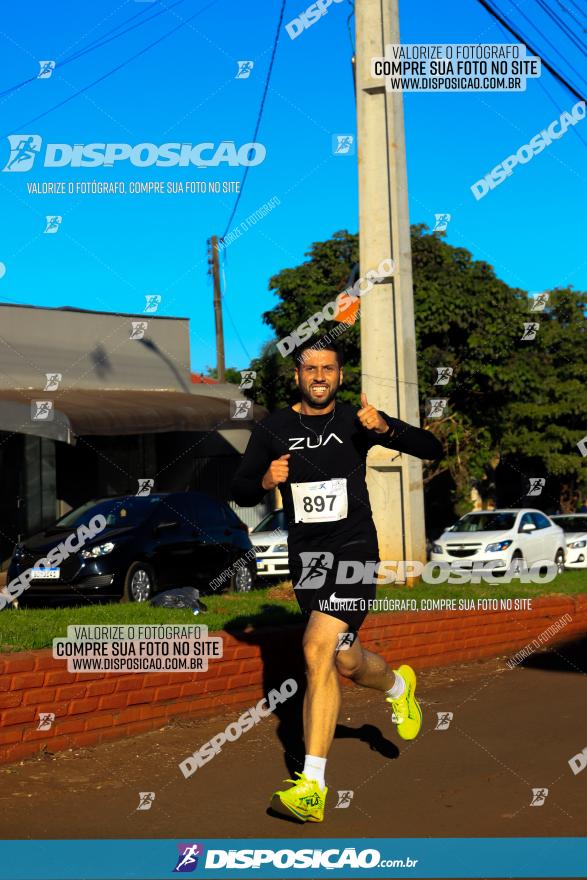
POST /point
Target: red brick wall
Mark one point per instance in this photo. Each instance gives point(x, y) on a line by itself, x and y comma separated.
point(94, 708)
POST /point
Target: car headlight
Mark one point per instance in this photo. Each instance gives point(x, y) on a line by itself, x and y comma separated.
point(98, 550)
point(576, 544)
point(280, 548)
point(500, 545)
point(437, 548)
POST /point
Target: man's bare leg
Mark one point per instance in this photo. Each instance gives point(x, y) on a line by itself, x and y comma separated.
point(323, 698)
point(364, 667)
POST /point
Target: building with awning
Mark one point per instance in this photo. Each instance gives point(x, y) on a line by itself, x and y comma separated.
point(91, 403)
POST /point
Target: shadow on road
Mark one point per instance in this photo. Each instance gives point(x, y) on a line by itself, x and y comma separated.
point(568, 657)
point(282, 658)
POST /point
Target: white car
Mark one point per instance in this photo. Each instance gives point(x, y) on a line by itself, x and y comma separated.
point(269, 539)
point(574, 525)
point(501, 537)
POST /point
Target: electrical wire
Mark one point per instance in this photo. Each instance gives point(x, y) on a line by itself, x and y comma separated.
point(114, 70)
point(234, 327)
point(259, 117)
point(503, 21)
point(96, 44)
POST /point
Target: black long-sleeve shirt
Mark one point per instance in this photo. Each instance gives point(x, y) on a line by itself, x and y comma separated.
point(324, 447)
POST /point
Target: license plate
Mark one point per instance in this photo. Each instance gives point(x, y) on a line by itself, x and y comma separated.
point(45, 574)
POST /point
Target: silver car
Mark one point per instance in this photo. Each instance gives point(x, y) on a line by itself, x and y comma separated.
point(269, 539)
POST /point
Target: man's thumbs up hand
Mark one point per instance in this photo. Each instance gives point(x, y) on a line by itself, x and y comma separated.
point(370, 418)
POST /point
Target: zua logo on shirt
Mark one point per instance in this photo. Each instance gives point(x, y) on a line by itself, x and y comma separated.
point(298, 442)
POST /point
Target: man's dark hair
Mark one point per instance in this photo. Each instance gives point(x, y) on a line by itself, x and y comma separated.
point(323, 343)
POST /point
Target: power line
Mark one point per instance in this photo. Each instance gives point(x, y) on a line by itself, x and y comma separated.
point(259, 117)
point(95, 44)
point(550, 97)
point(117, 68)
point(503, 21)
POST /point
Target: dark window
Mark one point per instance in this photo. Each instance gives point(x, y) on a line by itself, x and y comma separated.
point(527, 518)
point(540, 520)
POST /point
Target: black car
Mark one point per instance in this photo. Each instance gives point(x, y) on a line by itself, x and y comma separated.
point(149, 543)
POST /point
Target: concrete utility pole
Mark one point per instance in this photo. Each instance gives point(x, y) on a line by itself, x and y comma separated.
point(388, 347)
point(215, 271)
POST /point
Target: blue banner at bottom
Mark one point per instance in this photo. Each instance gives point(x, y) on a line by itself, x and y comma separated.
point(415, 857)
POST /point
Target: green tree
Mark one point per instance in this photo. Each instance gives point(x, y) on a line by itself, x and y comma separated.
point(509, 400)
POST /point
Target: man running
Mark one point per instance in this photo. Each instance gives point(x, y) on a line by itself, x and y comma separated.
point(315, 451)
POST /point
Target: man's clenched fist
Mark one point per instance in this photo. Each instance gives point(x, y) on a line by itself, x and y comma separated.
point(370, 417)
point(277, 472)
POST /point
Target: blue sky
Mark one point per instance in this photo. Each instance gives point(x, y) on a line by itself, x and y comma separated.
point(112, 250)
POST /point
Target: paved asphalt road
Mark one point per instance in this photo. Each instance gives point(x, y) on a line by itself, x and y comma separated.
point(512, 731)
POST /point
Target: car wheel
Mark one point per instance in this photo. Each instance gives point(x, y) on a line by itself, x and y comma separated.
point(243, 579)
point(559, 561)
point(139, 584)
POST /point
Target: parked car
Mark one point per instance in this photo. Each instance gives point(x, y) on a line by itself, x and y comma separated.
point(270, 542)
point(150, 543)
point(503, 537)
point(574, 525)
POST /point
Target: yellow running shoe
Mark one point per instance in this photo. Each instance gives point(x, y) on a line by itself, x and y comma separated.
point(304, 799)
point(407, 713)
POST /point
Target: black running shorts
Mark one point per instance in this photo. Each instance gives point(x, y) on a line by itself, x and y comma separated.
point(321, 576)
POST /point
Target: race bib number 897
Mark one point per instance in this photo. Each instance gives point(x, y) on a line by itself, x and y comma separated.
point(323, 501)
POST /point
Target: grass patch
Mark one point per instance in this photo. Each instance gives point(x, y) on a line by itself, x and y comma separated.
point(272, 606)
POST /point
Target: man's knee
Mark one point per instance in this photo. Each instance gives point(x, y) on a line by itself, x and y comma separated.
point(318, 654)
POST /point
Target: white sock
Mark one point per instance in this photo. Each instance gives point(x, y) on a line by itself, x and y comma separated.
point(314, 769)
point(398, 688)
